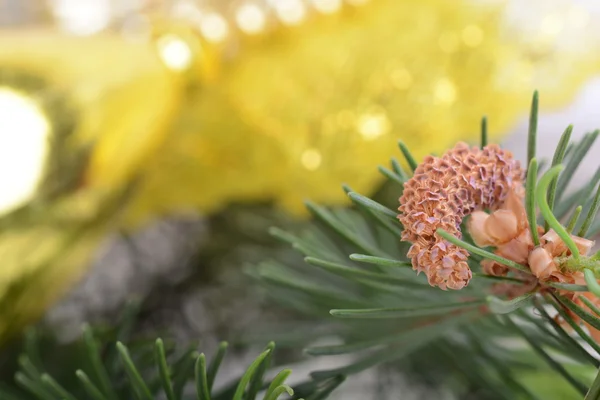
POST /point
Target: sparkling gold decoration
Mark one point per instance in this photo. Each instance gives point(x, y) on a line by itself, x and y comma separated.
point(64, 119)
point(295, 111)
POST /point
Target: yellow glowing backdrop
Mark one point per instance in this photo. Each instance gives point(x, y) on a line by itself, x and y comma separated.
point(251, 100)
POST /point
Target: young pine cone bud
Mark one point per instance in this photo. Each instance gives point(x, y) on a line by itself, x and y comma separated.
point(442, 191)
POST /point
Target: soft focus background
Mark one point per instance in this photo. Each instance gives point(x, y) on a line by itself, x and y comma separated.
point(217, 118)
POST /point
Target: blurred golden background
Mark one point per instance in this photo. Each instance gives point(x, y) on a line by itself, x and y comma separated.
point(117, 113)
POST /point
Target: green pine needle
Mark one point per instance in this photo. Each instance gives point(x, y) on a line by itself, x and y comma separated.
point(32, 386)
point(578, 154)
point(574, 219)
point(373, 206)
point(276, 383)
point(579, 311)
point(97, 367)
point(499, 306)
point(408, 312)
point(137, 382)
point(484, 132)
point(328, 388)
point(359, 274)
point(382, 262)
point(594, 391)
point(202, 392)
point(391, 175)
point(532, 132)
point(590, 305)
point(163, 369)
point(89, 387)
point(591, 216)
point(530, 200)
point(278, 391)
point(559, 155)
point(256, 382)
point(549, 217)
point(56, 388)
point(28, 368)
point(241, 388)
point(182, 370)
point(399, 170)
point(592, 282)
point(213, 368)
point(408, 156)
point(329, 219)
point(483, 253)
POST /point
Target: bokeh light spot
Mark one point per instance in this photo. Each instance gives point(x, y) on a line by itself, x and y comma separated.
point(214, 27)
point(472, 35)
point(445, 91)
point(311, 159)
point(373, 124)
point(175, 52)
point(24, 148)
point(250, 18)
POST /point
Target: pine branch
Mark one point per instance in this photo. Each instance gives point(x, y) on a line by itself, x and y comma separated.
point(357, 273)
point(152, 370)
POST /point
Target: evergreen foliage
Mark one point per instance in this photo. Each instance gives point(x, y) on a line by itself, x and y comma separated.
point(352, 278)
